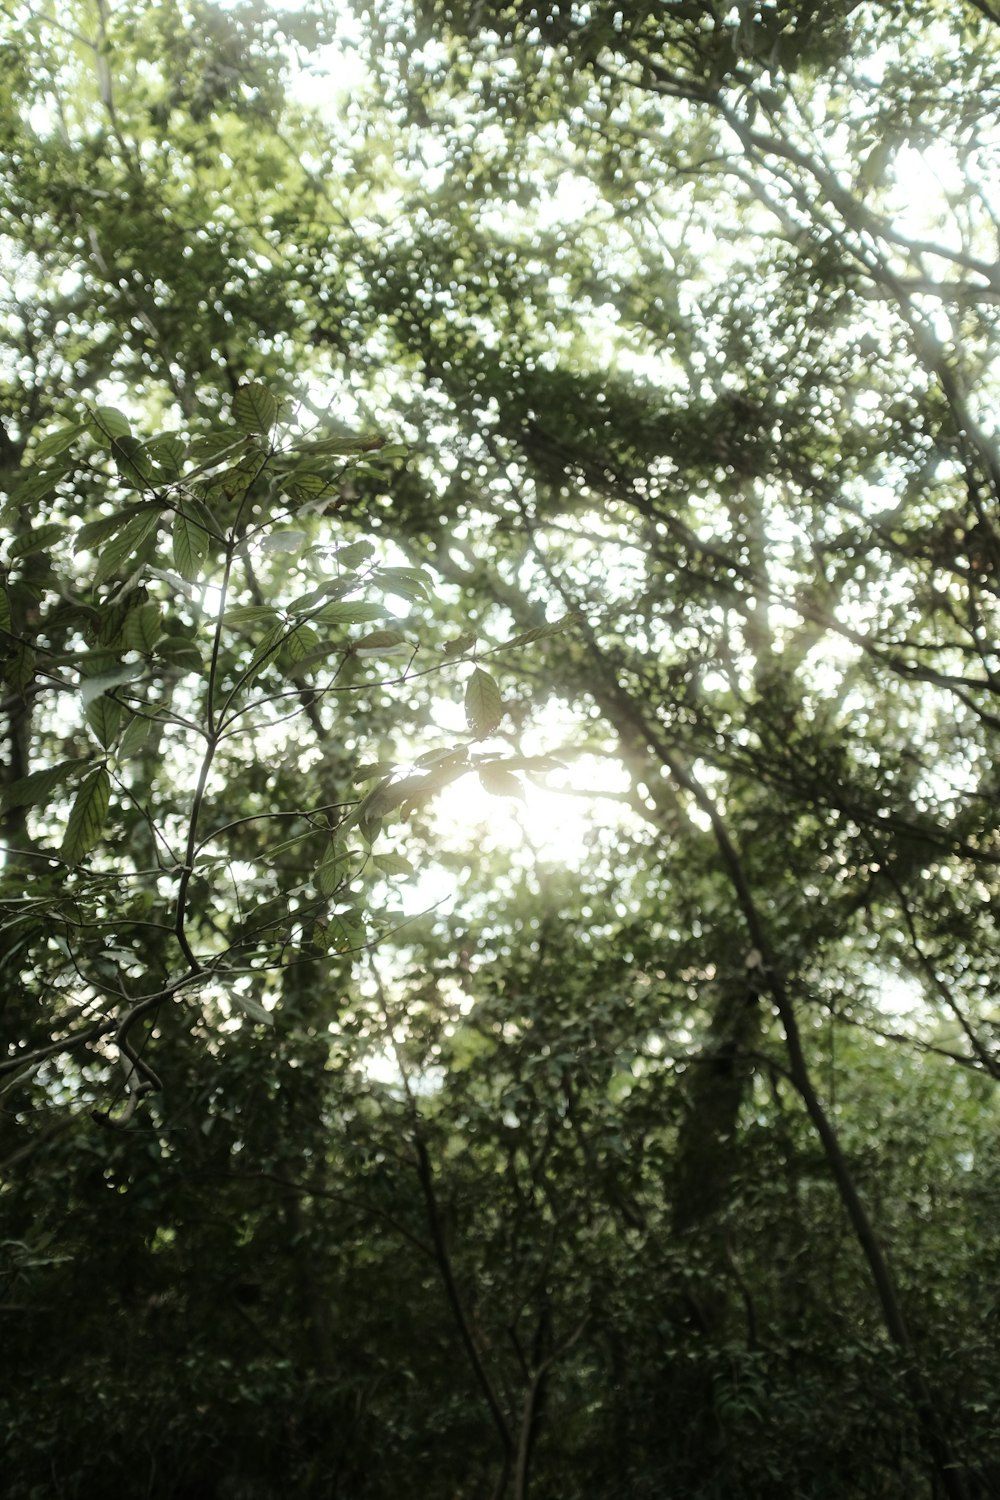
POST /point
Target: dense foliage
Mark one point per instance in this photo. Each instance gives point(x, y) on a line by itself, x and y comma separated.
point(574, 408)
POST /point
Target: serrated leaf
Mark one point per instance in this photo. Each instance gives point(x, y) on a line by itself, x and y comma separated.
point(141, 630)
point(206, 451)
point(252, 1008)
point(126, 544)
point(250, 614)
point(393, 794)
point(254, 408)
point(393, 864)
point(38, 539)
point(349, 612)
point(135, 468)
point(301, 641)
point(306, 484)
point(104, 716)
point(353, 556)
point(410, 583)
point(20, 667)
point(265, 650)
point(284, 541)
point(86, 819)
point(189, 543)
point(414, 790)
point(31, 791)
point(483, 704)
point(31, 485)
point(94, 532)
point(56, 442)
point(500, 782)
point(168, 452)
point(331, 873)
point(381, 643)
point(135, 735)
point(180, 652)
point(106, 423)
point(449, 757)
point(541, 632)
point(345, 936)
point(373, 771)
point(341, 444)
point(460, 645)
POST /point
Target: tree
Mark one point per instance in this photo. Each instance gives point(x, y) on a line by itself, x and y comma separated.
point(704, 446)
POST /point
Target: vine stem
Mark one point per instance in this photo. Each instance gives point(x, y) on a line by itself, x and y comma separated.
point(213, 737)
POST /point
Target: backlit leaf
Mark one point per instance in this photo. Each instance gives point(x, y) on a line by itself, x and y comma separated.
point(142, 629)
point(86, 819)
point(354, 555)
point(381, 643)
point(134, 465)
point(483, 704)
point(34, 790)
point(251, 1008)
point(189, 540)
point(501, 783)
point(104, 716)
point(38, 539)
point(126, 546)
point(254, 408)
point(106, 423)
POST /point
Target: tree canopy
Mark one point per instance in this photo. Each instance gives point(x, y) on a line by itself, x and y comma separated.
point(501, 569)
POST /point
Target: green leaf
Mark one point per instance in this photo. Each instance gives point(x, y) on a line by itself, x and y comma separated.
point(450, 756)
point(30, 791)
point(381, 643)
point(38, 539)
point(20, 667)
point(285, 540)
point(376, 770)
point(354, 556)
point(341, 445)
point(254, 408)
point(190, 544)
point(542, 632)
point(501, 783)
point(134, 737)
point(252, 1008)
point(126, 544)
point(265, 651)
point(56, 442)
point(483, 704)
point(306, 484)
point(207, 451)
point(135, 468)
point(460, 645)
point(250, 614)
point(410, 583)
point(168, 452)
point(104, 716)
point(393, 864)
point(86, 819)
point(301, 641)
point(5, 614)
point(141, 630)
point(180, 651)
point(345, 935)
point(331, 872)
point(94, 533)
point(106, 423)
point(349, 612)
